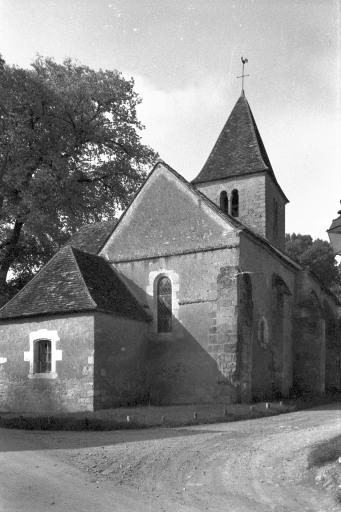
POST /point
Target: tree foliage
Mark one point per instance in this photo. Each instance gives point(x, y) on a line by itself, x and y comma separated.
point(70, 153)
point(316, 256)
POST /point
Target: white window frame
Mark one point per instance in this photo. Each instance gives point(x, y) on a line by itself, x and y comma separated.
point(151, 290)
point(56, 355)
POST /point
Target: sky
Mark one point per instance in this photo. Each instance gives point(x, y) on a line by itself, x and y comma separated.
point(185, 56)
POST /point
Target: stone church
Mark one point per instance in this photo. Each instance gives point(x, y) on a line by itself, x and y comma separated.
point(188, 298)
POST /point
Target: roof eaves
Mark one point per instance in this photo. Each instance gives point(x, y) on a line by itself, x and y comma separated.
point(206, 200)
point(47, 313)
point(324, 288)
point(274, 249)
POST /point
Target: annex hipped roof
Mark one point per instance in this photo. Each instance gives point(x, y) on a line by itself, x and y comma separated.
point(74, 281)
point(239, 149)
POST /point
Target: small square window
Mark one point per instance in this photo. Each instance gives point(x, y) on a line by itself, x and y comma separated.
point(42, 356)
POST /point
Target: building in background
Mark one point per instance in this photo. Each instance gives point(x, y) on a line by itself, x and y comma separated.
point(334, 233)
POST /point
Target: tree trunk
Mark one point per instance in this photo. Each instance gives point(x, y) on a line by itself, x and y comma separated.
point(8, 257)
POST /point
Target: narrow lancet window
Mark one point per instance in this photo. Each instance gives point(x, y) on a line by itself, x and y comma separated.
point(275, 220)
point(224, 201)
point(235, 203)
point(164, 305)
point(263, 332)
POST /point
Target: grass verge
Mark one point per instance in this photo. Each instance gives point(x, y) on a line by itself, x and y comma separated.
point(142, 417)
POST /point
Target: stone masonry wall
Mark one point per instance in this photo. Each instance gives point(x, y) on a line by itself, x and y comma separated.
point(71, 389)
point(120, 366)
point(189, 365)
point(246, 336)
point(275, 235)
point(317, 345)
point(252, 211)
point(223, 343)
point(272, 356)
point(166, 218)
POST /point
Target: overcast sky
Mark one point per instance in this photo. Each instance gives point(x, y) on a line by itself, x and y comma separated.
point(185, 56)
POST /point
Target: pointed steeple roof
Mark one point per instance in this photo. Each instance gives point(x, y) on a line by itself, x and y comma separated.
point(239, 149)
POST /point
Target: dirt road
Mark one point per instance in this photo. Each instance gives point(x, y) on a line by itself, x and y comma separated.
point(257, 465)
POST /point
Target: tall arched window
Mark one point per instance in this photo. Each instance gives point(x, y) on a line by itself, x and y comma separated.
point(224, 201)
point(164, 305)
point(235, 203)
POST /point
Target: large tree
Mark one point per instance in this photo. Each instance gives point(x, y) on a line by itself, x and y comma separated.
point(317, 256)
point(70, 153)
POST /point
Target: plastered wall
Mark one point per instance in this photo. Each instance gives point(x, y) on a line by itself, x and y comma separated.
point(71, 388)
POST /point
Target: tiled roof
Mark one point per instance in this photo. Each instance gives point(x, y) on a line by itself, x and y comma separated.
point(91, 237)
point(239, 149)
point(336, 225)
point(74, 281)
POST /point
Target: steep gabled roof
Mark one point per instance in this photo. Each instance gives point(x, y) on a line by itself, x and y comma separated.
point(232, 221)
point(74, 281)
point(91, 237)
point(239, 149)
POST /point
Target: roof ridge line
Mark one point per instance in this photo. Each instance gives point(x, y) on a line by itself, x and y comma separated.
point(81, 274)
point(117, 274)
point(43, 268)
point(133, 199)
point(202, 196)
point(215, 144)
point(253, 128)
point(212, 206)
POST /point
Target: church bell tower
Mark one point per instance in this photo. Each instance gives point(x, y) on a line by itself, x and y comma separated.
point(239, 178)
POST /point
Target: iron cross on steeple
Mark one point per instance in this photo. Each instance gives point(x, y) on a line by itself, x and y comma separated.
point(242, 76)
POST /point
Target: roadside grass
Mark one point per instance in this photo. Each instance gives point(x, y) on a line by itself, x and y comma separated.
point(143, 417)
point(326, 452)
point(149, 416)
point(323, 461)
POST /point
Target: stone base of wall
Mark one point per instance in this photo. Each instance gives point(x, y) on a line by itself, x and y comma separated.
point(45, 396)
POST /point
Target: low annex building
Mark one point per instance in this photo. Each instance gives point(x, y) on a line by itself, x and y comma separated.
point(188, 298)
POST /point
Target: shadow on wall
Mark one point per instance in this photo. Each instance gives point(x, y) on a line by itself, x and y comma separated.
point(333, 352)
point(181, 371)
point(317, 348)
point(198, 361)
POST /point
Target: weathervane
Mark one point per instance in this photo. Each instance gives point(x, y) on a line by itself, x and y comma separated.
point(242, 76)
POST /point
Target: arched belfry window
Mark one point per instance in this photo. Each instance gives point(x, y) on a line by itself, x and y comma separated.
point(164, 305)
point(235, 203)
point(224, 201)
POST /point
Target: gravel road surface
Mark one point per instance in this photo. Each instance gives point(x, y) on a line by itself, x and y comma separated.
point(246, 466)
